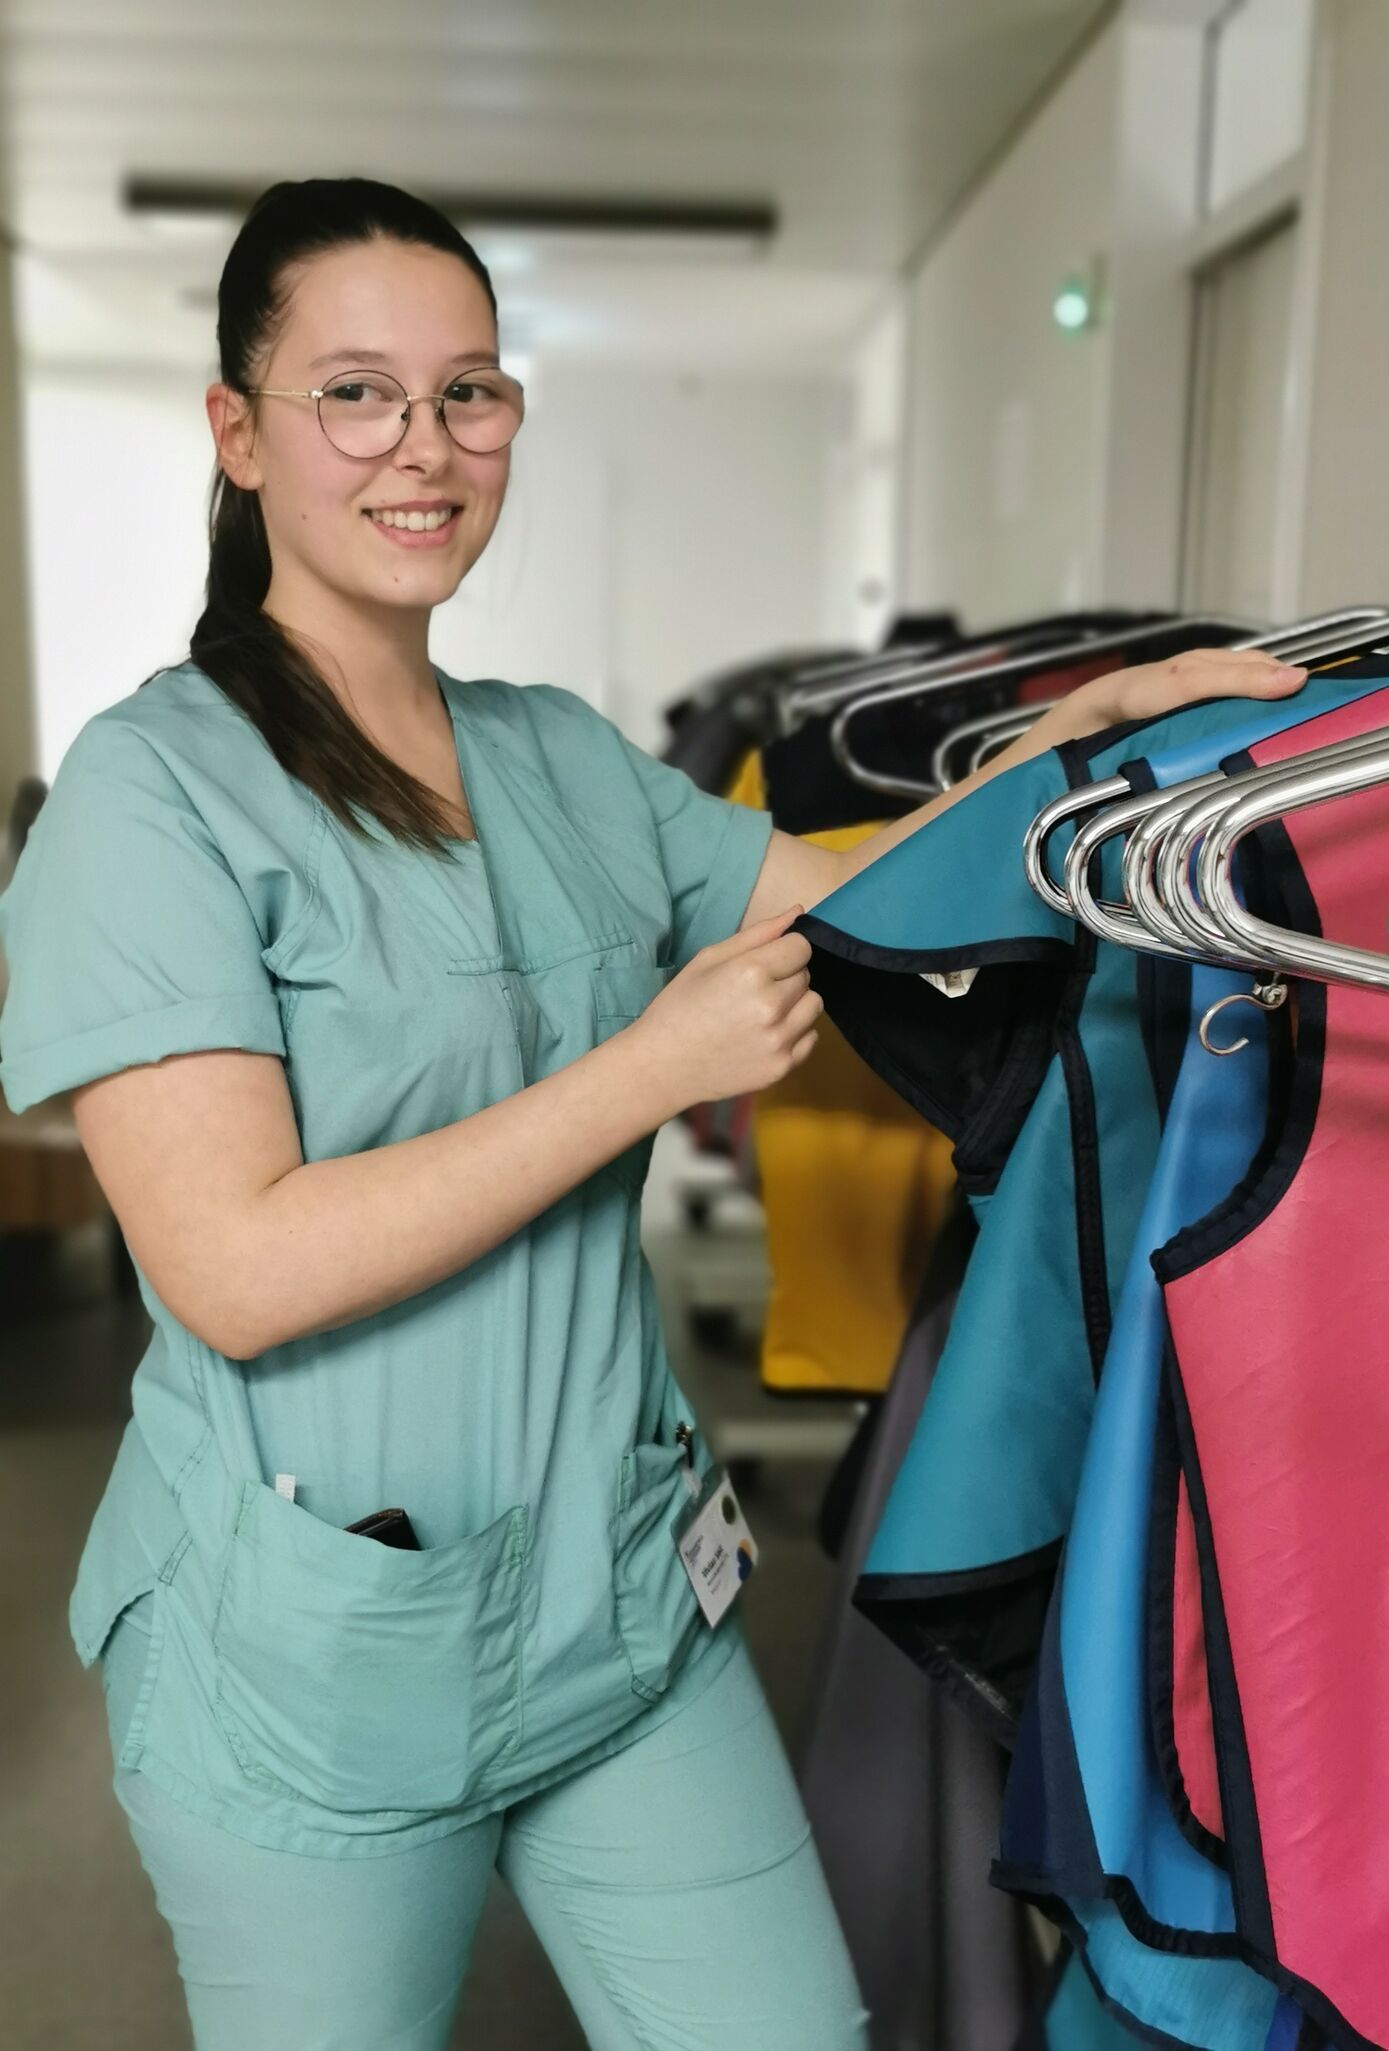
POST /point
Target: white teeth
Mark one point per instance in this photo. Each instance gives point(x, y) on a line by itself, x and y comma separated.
point(417, 523)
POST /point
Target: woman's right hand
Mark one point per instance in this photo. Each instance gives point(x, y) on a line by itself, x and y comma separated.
point(739, 1016)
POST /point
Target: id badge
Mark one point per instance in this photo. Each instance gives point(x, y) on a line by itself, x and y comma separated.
point(717, 1550)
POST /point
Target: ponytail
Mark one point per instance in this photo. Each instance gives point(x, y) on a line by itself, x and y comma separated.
point(252, 659)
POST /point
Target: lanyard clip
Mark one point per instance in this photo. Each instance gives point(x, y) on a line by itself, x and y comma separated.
point(684, 1438)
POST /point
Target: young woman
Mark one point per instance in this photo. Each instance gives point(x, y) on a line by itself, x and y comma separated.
point(435, 960)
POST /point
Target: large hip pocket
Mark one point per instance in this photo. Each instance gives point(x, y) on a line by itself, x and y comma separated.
point(362, 1677)
point(658, 1615)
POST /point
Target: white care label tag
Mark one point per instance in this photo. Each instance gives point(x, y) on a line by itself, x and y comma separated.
point(716, 1547)
point(284, 1486)
point(951, 982)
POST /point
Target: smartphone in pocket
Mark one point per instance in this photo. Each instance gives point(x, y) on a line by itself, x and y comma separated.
point(388, 1527)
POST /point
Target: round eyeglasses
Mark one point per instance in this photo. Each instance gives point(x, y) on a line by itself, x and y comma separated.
point(366, 413)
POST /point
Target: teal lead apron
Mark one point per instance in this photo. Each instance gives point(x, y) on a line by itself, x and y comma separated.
point(306, 1688)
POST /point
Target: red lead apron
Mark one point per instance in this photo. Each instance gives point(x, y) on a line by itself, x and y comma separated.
point(1279, 1314)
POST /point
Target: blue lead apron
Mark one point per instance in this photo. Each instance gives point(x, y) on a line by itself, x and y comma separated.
point(306, 1688)
point(1041, 1076)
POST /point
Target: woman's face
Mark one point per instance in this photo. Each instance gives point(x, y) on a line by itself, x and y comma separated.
point(423, 316)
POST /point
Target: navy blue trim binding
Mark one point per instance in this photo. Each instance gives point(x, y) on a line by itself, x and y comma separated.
point(1161, 1630)
point(982, 1655)
point(1085, 1155)
point(1271, 1175)
point(971, 1065)
point(1243, 1846)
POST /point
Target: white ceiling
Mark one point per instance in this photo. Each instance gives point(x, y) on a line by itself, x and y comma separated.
point(860, 120)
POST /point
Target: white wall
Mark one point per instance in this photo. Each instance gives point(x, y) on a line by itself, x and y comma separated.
point(1345, 524)
point(1259, 113)
point(1006, 451)
point(116, 493)
point(657, 527)
point(865, 482)
point(669, 525)
point(18, 708)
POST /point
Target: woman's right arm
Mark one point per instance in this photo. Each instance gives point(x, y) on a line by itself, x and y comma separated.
point(251, 1246)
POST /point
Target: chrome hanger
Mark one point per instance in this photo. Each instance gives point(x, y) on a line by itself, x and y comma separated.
point(1297, 789)
point(936, 677)
point(1160, 883)
point(992, 729)
point(1120, 923)
point(1322, 638)
point(823, 687)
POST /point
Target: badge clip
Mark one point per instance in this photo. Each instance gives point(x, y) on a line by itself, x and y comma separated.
point(684, 1438)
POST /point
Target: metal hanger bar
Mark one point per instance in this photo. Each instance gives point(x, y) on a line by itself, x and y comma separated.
point(1319, 624)
point(988, 725)
point(912, 787)
point(1004, 731)
point(836, 683)
point(936, 675)
point(1317, 649)
point(1034, 844)
point(1112, 922)
point(1285, 642)
point(1303, 954)
point(1171, 881)
point(854, 668)
point(1057, 630)
point(900, 666)
point(1085, 799)
point(1145, 844)
point(1157, 859)
point(1163, 819)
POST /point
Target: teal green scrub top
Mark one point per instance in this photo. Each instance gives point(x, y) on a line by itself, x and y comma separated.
point(308, 1688)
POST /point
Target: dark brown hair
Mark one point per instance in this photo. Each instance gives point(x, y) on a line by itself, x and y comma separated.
point(237, 644)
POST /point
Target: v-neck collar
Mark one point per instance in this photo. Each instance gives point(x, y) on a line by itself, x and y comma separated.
point(467, 768)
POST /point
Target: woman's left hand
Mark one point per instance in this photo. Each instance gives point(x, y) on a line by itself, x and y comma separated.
point(1153, 688)
point(795, 869)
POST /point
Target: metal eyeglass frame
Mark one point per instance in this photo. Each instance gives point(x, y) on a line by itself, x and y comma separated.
point(436, 399)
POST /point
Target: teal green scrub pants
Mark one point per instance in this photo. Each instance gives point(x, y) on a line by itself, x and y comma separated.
point(674, 1887)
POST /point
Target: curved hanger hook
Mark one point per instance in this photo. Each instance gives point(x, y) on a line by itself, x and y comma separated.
point(1111, 922)
point(1268, 996)
point(1299, 786)
point(1068, 806)
point(1146, 845)
point(1150, 814)
point(1167, 881)
point(1186, 904)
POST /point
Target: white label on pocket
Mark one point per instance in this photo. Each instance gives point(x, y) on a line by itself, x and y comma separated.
point(284, 1486)
point(951, 982)
point(717, 1549)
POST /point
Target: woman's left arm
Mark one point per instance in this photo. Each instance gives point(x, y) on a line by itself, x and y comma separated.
point(796, 872)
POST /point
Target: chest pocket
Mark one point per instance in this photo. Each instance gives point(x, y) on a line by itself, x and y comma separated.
point(622, 990)
point(621, 993)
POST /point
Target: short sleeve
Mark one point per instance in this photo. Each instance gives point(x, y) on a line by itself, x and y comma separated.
point(125, 932)
point(711, 850)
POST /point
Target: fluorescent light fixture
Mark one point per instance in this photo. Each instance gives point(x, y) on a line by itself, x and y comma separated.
point(205, 224)
point(535, 222)
point(625, 245)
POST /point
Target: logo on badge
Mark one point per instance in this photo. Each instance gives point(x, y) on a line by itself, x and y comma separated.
point(746, 1562)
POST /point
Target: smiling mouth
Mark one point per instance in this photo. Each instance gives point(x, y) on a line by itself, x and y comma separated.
point(412, 523)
